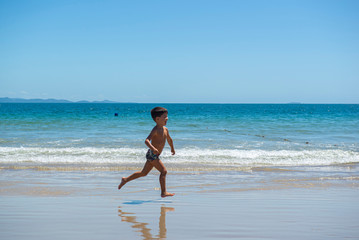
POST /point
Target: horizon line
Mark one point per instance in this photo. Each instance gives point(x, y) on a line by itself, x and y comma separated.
point(54, 100)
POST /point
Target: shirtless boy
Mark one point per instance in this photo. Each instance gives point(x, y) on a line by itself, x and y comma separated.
point(155, 142)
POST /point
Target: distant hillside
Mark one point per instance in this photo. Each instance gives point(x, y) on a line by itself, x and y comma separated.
point(37, 100)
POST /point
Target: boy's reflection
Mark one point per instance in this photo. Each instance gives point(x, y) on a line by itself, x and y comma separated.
point(142, 227)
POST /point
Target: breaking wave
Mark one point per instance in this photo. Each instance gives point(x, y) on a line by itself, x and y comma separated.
point(183, 157)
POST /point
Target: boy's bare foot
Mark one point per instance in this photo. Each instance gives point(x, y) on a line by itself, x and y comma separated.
point(167, 195)
point(123, 182)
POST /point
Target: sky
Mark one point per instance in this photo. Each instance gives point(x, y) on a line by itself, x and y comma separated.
point(181, 51)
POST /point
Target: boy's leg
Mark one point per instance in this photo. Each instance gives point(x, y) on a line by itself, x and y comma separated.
point(162, 169)
point(146, 169)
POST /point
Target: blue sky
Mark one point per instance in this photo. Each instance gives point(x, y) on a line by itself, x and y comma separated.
point(181, 51)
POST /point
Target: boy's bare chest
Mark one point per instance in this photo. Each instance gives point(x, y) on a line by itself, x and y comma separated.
point(160, 135)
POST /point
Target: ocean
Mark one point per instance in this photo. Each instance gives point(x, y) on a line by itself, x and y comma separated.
point(258, 171)
point(213, 136)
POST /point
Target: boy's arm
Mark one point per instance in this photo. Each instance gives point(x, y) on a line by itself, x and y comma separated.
point(149, 144)
point(170, 142)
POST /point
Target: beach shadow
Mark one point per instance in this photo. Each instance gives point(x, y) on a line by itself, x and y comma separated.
point(138, 202)
point(142, 227)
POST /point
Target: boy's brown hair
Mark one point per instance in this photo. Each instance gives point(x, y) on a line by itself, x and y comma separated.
point(157, 112)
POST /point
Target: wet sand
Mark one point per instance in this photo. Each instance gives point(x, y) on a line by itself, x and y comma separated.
point(207, 205)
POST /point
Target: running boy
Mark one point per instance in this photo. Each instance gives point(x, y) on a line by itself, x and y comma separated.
point(156, 142)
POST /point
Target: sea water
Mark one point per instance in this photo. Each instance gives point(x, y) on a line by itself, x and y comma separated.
point(265, 171)
point(205, 135)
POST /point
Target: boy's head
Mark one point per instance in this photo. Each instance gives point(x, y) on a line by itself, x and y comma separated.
point(158, 112)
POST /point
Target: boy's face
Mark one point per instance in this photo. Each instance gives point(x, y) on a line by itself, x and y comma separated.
point(162, 120)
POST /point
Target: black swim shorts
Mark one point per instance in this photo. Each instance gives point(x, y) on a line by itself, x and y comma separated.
point(150, 156)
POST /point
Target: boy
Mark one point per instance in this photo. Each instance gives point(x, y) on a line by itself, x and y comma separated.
point(156, 142)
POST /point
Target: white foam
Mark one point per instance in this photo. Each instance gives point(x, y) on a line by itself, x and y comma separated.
point(185, 156)
point(269, 157)
point(71, 155)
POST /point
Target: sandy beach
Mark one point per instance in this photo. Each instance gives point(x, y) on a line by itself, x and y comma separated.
point(86, 205)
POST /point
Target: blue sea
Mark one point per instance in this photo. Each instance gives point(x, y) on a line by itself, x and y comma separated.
point(214, 136)
point(266, 171)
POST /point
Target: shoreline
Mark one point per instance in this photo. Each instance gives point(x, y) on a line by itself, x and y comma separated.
point(23, 180)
